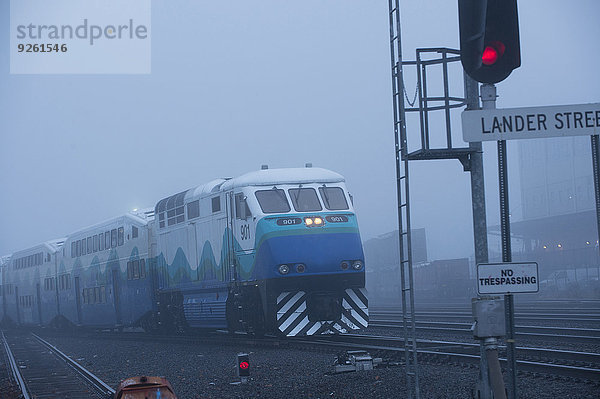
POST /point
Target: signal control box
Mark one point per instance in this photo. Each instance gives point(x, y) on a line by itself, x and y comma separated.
point(488, 313)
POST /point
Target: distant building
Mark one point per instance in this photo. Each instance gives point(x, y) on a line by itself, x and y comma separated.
point(384, 250)
point(433, 280)
point(558, 227)
point(556, 177)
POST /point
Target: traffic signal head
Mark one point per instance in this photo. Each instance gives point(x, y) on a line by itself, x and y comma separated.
point(489, 38)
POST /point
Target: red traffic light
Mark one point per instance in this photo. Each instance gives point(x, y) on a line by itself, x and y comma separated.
point(492, 52)
point(490, 56)
point(244, 365)
point(489, 39)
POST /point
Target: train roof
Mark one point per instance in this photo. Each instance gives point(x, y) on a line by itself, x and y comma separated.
point(265, 177)
point(140, 217)
point(51, 246)
point(270, 177)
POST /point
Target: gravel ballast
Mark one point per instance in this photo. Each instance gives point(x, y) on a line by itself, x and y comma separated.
point(206, 370)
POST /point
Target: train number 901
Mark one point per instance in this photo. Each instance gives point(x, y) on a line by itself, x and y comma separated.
point(288, 221)
point(245, 232)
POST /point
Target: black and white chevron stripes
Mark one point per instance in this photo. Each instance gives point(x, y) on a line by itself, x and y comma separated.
point(292, 314)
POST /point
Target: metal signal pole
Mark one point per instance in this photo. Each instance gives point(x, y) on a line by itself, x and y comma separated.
point(488, 98)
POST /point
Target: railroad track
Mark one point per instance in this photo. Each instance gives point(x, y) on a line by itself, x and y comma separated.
point(43, 371)
point(571, 364)
point(591, 316)
point(556, 334)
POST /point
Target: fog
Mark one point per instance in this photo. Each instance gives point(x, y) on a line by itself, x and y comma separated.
point(234, 85)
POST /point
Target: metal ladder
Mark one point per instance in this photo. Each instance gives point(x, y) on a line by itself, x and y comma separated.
point(402, 183)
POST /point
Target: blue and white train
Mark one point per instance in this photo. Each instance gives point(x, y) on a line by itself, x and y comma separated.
point(272, 251)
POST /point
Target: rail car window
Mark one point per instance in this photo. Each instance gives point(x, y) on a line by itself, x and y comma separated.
point(272, 201)
point(305, 199)
point(101, 243)
point(216, 204)
point(121, 236)
point(142, 268)
point(90, 245)
point(239, 211)
point(113, 238)
point(193, 209)
point(49, 284)
point(107, 240)
point(333, 198)
point(134, 232)
point(96, 243)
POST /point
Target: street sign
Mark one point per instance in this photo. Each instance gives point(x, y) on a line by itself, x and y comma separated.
point(504, 278)
point(531, 123)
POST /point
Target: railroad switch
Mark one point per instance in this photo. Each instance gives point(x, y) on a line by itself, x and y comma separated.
point(355, 361)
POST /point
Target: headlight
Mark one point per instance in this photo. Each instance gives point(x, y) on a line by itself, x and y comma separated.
point(357, 265)
point(308, 221)
point(300, 268)
point(284, 269)
point(318, 221)
point(344, 265)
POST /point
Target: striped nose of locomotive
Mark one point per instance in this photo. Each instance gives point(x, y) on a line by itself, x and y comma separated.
point(302, 313)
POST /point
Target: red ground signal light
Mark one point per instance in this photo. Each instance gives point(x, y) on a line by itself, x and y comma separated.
point(243, 366)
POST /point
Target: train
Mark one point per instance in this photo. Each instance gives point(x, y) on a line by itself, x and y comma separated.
point(274, 251)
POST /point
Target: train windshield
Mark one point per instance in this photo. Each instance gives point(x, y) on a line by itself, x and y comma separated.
point(333, 198)
point(305, 199)
point(272, 201)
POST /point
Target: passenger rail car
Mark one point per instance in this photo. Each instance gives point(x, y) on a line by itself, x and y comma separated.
point(276, 250)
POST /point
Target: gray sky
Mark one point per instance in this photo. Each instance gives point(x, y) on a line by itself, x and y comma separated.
point(238, 84)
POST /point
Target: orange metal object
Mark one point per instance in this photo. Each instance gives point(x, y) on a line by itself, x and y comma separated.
point(145, 388)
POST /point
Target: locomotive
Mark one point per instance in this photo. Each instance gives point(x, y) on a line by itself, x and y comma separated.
point(271, 251)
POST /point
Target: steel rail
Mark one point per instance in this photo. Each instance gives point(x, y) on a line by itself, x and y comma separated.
point(588, 373)
point(593, 316)
point(524, 351)
point(15, 369)
point(449, 350)
point(591, 332)
point(521, 330)
point(82, 371)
